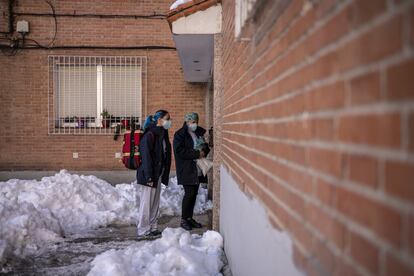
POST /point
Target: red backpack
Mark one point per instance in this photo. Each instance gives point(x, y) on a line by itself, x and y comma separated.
point(130, 149)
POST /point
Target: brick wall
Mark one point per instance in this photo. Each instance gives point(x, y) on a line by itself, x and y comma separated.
point(24, 142)
point(318, 124)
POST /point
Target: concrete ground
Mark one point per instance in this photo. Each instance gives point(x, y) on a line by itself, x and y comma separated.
point(74, 254)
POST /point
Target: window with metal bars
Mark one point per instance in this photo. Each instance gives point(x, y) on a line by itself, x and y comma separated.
point(243, 10)
point(92, 95)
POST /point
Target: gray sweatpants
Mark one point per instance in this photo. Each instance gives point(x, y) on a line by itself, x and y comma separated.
point(149, 208)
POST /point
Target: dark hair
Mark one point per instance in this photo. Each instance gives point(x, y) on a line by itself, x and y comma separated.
point(161, 113)
point(152, 119)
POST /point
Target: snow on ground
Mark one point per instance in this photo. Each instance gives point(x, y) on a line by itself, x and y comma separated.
point(35, 213)
point(177, 3)
point(171, 198)
point(177, 252)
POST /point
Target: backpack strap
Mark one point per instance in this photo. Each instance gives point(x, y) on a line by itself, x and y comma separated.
point(132, 149)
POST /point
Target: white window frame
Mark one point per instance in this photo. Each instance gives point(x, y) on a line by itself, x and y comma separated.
point(55, 126)
point(243, 12)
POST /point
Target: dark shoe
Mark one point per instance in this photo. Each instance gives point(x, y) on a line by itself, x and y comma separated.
point(194, 224)
point(144, 236)
point(155, 233)
point(186, 225)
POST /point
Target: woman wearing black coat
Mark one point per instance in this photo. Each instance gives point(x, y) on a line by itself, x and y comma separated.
point(189, 145)
point(155, 150)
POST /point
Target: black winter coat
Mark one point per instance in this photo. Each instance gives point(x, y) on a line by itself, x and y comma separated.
point(185, 154)
point(153, 157)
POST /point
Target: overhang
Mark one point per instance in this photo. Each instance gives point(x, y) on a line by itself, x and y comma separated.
point(193, 25)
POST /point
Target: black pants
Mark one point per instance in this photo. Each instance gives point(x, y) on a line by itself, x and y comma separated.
point(189, 199)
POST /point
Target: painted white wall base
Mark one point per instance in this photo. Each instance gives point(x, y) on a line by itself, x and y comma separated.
point(252, 245)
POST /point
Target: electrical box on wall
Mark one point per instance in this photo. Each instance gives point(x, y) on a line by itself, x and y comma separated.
point(22, 26)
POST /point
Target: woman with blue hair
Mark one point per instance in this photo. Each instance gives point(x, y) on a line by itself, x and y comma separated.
point(155, 150)
point(189, 145)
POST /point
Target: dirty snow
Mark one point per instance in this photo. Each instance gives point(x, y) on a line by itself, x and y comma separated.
point(171, 198)
point(178, 2)
point(35, 213)
point(177, 252)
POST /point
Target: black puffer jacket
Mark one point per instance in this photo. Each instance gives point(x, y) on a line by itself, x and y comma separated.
point(185, 156)
point(153, 157)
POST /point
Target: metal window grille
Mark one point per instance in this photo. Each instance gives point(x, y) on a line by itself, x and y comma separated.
point(243, 10)
point(92, 95)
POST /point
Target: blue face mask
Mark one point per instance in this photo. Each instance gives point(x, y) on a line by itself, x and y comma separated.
point(192, 127)
point(166, 124)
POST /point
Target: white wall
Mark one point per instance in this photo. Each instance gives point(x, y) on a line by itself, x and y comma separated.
point(202, 22)
point(252, 245)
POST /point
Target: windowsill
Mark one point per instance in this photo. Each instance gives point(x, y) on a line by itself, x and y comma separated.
point(84, 131)
point(111, 127)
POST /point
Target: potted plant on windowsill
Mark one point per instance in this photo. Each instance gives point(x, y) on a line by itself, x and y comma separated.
point(125, 122)
point(106, 121)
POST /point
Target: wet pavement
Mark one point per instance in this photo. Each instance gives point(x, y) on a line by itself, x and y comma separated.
point(74, 255)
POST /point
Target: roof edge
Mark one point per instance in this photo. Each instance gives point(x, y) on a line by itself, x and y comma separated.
point(189, 8)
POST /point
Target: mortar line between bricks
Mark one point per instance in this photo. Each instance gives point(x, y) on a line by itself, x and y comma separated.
point(315, 84)
point(405, 131)
point(232, 171)
point(368, 234)
point(338, 252)
point(327, 49)
point(406, 35)
point(264, 189)
point(348, 222)
point(339, 42)
point(390, 4)
point(379, 194)
point(315, 28)
point(405, 234)
point(368, 109)
point(376, 195)
point(357, 149)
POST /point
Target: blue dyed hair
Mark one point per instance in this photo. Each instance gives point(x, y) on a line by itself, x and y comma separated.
point(152, 119)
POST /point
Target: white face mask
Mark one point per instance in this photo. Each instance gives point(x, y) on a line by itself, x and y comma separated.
point(166, 124)
point(192, 127)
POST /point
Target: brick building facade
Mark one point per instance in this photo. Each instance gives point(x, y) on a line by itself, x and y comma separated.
point(24, 140)
point(313, 116)
point(317, 125)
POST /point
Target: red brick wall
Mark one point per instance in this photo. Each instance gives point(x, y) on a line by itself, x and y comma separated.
point(318, 124)
point(24, 140)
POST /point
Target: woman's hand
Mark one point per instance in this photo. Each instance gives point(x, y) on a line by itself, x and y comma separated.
point(205, 149)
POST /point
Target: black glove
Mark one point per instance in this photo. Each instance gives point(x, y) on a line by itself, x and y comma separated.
point(205, 148)
point(150, 182)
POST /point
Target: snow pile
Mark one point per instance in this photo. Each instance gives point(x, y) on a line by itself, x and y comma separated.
point(34, 213)
point(177, 252)
point(24, 229)
point(177, 3)
point(172, 196)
